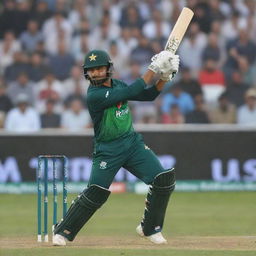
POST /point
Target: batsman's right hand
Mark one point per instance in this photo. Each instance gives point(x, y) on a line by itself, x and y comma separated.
point(164, 62)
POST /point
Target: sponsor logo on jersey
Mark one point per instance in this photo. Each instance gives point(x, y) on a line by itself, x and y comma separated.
point(120, 113)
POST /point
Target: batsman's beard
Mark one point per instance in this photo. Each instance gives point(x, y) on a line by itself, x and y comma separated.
point(101, 80)
point(98, 81)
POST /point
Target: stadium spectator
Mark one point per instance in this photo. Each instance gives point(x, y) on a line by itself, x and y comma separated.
point(21, 86)
point(49, 89)
point(210, 74)
point(142, 52)
point(230, 27)
point(188, 83)
point(49, 118)
point(156, 27)
point(224, 113)
point(121, 60)
point(246, 114)
point(75, 86)
point(41, 49)
point(203, 16)
point(82, 10)
point(199, 114)
point(22, 118)
point(81, 41)
point(76, 118)
point(19, 65)
point(131, 18)
point(236, 89)
point(61, 63)
point(31, 37)
point(178, 97)
point(174, 117)
point(212, 49)
point(8, 46)
point(240, 46)
point(221, 30)
point(216, 30)
point(22, 16)
point(37, 68)
point(51, 4)
point(104, 33)
point(212, 80)
point(192, 47)
point(134, 72)
point(41, 13)
point(8, 17)
point(5, 101)
point(62, 6)
point(55, 30)
point(248, 72)
point(127, 42)
point(156, 46)
point(115, 8)
point(216, 11)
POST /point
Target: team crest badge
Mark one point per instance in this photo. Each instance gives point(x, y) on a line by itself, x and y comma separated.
point(103, 165)
point(92, 57)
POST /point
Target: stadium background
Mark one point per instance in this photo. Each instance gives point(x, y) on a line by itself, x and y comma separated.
point(211, 105)
point(203, 123)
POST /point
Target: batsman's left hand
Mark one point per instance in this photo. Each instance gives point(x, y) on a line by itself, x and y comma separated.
point(173, 69)
point(164, 62)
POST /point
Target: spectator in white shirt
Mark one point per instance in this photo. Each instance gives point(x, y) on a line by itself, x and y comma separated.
point(56, 29)
point(246, 114)
point(156, 28)
point(22, 118)
point(76, 118)
point(49, 88)
point(192, 47)
point(8, 46)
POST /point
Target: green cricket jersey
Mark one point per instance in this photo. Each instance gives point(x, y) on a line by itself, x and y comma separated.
point(109, 109)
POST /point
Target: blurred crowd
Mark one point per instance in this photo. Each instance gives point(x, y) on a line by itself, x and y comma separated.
point(43, 44)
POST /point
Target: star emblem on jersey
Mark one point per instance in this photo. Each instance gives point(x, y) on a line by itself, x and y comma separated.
point(92, 57)
point(146, 147)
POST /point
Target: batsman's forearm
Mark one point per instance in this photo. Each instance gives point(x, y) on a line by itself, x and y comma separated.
point(148, 76)
point(160, 85)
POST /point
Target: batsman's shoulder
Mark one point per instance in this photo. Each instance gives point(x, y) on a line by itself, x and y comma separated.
point(120, 83)
point(95, 93)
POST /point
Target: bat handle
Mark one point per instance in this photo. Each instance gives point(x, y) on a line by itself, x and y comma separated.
point(172, 75)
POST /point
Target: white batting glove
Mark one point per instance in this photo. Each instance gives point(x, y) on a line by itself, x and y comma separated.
point(160, 62)
point(174, 67)
point(164, 62)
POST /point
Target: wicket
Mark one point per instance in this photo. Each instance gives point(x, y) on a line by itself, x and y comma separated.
point(42, 178)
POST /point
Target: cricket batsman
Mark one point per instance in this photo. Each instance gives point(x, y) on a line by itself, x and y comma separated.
point(117, 145)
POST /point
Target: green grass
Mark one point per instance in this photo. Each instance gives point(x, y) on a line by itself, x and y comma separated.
point(119, 252)
point(191, 217)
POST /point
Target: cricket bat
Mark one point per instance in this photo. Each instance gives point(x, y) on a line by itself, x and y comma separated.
point(179, 30)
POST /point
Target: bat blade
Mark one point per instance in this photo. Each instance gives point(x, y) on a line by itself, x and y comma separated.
point(179, 30)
